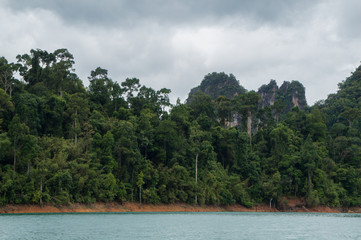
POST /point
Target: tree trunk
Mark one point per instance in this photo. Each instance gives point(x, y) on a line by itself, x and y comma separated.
point(132, 187)
point(28, 171)
point(249, 123)
point(10, 90)
point(14, 157)
point(196, 178)
point(165, 150)
point(75, 133)
point(41, 193)
point(270, 204)
point(309, 181)
point(140, 195)
point(249, 126)
point(120, 161)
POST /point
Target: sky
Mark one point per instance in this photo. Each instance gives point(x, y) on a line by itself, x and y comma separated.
point(175, 43)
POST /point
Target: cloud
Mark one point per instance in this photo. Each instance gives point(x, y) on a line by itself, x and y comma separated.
point(173, 12)
point(174, 44)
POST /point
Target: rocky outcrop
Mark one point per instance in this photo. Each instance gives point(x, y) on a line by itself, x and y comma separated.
point(293, 95)
point(268, 94)
point(280, 99)
point(218, 84)
point(290, 95)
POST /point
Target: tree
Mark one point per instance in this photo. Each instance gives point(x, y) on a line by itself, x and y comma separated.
point(284, 143)
point(200, 147)
point(6, 75)
point(30, 109)
point(126, 149)
point(246, 105)
point(165, 140)
point(163, 98)
point(351, 114)
point(202, 104)
point(52, 72)
point(196, 138)
point(62, 76)
point(103, 151)
point(6, 109)
point(5, 145)
point(17, 131)
point(140, 183)
point(224, 110)
point(272, 188)
point(218, 84)
point(310, 159)
point(146, 98)
point(100, 86)
point(30, 68)
point(315, 126)
point(54, 114)
point(278, 107)
point(130, 85)
point(78, 112)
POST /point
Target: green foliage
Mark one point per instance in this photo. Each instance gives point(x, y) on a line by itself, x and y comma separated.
point(61, 143)
point(6, 110)
point(218, 84)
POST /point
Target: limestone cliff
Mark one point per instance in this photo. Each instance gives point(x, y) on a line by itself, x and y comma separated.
point(280, 99)
point(293, 95)
point(218, 84)
point(268, 94)
point(290, 95)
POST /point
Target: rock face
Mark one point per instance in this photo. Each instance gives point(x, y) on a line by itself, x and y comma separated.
point(268, 94)
point(218, 84)
point(281, 99)
point(289, 95)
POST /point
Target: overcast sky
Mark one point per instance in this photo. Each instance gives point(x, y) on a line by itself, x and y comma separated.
point(175, 43)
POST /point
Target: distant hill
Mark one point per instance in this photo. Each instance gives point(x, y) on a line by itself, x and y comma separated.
point(218, 84)
point(344, 107)
point(289, 95)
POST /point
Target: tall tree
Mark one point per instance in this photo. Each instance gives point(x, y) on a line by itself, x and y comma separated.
point(224, 110)
point(6, 109)
point(140, 183)
point(78, 112)
point(246, 105)
point(6, 75)
point(17, 131)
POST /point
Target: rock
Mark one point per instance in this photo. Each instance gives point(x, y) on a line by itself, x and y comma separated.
point(218, 84)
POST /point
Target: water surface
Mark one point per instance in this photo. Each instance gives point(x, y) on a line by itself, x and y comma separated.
point(181, 226)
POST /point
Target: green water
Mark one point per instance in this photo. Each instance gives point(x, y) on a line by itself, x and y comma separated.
point(181, 226)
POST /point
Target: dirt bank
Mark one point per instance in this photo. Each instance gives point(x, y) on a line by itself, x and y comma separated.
point(115, 207)
point(136, 207)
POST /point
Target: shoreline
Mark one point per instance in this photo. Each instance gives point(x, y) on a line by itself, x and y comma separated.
point(179, 207)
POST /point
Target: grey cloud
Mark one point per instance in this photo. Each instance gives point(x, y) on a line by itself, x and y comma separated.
point(349, 18)
point(128, 13)
point(173, 44)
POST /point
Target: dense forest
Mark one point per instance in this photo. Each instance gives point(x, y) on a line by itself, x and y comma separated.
point(61, 142)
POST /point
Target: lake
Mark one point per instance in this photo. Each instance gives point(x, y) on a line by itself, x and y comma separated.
point(180, 226)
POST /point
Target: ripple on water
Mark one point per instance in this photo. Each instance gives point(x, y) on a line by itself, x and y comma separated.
point(180, 226)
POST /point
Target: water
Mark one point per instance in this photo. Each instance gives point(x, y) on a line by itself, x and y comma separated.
point(180, 226)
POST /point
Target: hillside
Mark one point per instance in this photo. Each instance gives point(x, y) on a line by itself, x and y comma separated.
point(290, 94)
point(62, 143)
point(228, 94)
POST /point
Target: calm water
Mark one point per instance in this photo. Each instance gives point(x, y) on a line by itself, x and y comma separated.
point(181, 226)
